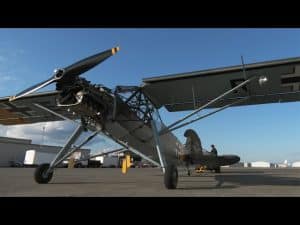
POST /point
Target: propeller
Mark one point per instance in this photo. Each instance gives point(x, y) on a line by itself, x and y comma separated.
point(69, 72)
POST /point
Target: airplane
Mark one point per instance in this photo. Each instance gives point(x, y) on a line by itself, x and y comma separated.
point(200, 157)
point(129, 115)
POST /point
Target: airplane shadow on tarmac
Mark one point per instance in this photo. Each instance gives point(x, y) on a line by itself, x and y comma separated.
point(207, 187)
point(93, 182)
point(235, 180)
point(257, 179)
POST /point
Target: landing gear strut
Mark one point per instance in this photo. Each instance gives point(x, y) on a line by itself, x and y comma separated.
point(44, 172)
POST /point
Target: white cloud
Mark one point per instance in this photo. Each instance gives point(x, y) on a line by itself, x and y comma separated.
point(52, 133)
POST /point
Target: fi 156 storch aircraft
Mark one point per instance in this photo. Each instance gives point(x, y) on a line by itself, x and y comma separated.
point(129, 114)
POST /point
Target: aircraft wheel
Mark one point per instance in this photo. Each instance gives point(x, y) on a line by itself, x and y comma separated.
point(40, 174)
point(218, 170)
point(171, 177)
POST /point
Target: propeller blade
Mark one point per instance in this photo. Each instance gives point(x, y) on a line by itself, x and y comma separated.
point(70, 72)
point(33, 89)
point(88, 63)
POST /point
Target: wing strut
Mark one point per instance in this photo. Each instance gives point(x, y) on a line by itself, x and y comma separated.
point(125, 145)
point(119, 150)
point(206, 115)
point(54, 113)
point(207, 104)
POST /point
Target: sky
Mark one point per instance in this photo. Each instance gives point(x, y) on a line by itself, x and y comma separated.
point(267, 132)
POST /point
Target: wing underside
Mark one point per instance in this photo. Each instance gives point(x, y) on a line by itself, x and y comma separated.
point(24, 111)
point(188, 91)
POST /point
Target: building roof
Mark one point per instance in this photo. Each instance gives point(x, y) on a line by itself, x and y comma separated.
point(29, 142)
point(15, 140)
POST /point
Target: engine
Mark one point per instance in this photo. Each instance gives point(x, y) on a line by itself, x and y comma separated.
point(92, 103)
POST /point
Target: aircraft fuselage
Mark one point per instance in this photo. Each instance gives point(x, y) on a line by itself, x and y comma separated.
point(99, 108)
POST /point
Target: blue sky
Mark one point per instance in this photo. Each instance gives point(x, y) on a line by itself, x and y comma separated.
point(265, 132)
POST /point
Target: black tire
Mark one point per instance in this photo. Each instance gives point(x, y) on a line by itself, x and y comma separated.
point(40, 175)
point(171, 177)
point(218, 170)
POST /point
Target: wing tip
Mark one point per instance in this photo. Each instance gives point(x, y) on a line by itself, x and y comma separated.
point(115, 50)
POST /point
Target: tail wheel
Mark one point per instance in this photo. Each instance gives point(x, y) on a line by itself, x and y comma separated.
point(41, 176)
point(171, 177)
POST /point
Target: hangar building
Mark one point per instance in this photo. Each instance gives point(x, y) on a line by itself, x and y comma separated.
point(296, 164)
point(260, 164)
point(12, 150)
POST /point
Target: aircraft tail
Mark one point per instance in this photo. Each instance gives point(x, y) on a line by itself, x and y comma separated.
point(193, 148)
point(193, 142)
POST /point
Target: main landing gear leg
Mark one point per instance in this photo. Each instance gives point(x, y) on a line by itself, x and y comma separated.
point(44, 172)
point(169, 169)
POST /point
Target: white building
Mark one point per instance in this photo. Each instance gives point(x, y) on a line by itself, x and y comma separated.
point(296, 164)
point(12, 150)
point(261, 164)
point(237, 165)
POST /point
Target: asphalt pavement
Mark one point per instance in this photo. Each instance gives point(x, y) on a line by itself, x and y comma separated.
point(86, 182)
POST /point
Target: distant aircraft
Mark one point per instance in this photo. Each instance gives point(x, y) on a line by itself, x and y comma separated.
point(129, 114)
point(285, 164)
point(194, 154)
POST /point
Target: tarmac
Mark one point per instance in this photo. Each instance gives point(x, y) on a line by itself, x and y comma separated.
point(148, 182)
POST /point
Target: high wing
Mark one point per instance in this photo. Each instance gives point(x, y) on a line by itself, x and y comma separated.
point(187, 91)
point(23, 111)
